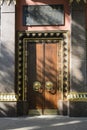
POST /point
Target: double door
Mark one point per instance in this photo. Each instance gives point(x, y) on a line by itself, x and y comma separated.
point(44, 70)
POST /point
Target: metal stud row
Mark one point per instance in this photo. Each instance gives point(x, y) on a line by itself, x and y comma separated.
point(65, 66)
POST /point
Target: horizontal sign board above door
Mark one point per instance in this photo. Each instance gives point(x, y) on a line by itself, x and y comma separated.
point(43, 15)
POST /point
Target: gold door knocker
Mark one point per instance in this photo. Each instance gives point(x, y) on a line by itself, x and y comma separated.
point(49, 86)
point(36, 86)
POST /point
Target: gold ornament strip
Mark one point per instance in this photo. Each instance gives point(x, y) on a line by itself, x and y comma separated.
point(20, 67)
point(74, 96)
point(65, 65)
point(10, 97)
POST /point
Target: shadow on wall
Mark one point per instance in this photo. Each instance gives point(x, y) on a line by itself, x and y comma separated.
point(6, 69)
point(8, 109)
point(79, 59)
point(78, 63)
point(7, 80)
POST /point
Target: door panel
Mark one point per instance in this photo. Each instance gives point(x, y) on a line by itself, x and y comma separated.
point(51, 75)
point(34, 74)
point(39, 75)
point(43, 83)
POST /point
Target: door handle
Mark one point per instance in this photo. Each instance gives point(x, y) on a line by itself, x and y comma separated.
point(36, 86)
point(49, 86)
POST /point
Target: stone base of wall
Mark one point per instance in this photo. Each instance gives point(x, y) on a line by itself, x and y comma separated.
point(78, 109)
point(8, 109)
point(22, 108)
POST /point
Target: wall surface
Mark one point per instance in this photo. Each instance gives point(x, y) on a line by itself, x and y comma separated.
point(7, 57)
point(7, 60)
point(78, 60)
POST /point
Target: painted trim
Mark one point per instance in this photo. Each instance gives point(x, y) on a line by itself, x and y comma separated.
point(8, 97)
point(77, 96)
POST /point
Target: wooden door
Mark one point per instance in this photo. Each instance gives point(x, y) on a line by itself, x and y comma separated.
point(43, 77)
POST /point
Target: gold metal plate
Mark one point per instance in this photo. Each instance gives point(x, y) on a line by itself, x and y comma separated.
point(50, 112)
point(35, 112)
point(43, 112)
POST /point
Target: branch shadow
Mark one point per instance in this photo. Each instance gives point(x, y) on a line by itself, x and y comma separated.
point(78, 82)
point(6, 70)
point(78, 57)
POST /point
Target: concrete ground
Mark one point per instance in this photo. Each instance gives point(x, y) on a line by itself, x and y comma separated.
point(43, 123)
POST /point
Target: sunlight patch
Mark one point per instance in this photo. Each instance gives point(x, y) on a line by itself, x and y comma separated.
point(27, 128)
point(66, 123)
